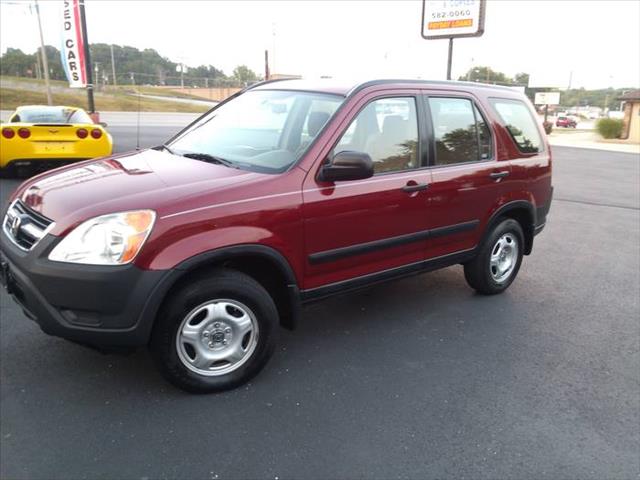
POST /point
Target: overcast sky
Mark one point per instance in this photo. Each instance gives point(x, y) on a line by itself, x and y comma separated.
point(599, 41)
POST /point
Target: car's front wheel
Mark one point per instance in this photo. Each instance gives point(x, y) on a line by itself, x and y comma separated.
point(215, 333)
point(498, 260)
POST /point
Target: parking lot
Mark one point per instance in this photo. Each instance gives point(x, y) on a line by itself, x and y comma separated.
point(420, 378)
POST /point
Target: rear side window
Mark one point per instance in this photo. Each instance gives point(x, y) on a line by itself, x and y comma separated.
point(461, 134)
point(520, 123)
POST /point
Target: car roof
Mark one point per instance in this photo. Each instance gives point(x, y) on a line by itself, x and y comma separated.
point(347, 87)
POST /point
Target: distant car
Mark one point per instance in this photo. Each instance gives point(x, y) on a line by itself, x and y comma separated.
point(40, 137)
point(566, 122)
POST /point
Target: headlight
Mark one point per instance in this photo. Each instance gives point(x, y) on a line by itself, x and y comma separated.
point(113, 239)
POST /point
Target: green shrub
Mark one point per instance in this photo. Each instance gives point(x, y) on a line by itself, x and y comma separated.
point(609, 127)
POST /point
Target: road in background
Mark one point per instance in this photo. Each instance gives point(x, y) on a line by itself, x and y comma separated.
point(418, 378)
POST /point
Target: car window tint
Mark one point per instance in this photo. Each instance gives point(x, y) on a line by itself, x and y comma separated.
point(520, 123)
point(53, 115)
point(455, 131)
point(386, 129)
point(484, 135)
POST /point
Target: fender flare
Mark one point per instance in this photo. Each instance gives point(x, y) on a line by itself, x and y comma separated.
point(510, 206)
point(225, 253)
point(178, 272)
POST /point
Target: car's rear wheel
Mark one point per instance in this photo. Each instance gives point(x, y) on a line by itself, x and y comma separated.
point(498, 260)
point(216, 333)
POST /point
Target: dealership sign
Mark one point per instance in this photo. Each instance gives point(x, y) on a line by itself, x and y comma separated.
point(452, 18)
point(72, 51)
point(547, 98)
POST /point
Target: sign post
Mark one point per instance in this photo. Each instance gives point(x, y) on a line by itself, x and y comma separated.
point(546, 99)
point(452, 19)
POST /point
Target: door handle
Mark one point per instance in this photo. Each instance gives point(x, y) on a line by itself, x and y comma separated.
point(499, 175)
point(415, 187)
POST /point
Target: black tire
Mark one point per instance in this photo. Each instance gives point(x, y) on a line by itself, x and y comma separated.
point(478, 272)
point(218, 284)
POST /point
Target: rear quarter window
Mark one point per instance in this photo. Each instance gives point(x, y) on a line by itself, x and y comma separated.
point(520, 123)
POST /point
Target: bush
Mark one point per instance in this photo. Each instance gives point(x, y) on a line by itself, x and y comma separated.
point(609, 127)
point(548, 127)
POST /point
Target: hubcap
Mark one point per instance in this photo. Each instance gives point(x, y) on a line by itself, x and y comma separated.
point(504, 257)
point(217, 337)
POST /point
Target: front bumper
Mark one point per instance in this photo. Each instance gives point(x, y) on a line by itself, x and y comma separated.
point(100, 306)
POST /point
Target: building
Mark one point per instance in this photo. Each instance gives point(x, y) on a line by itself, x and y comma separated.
point(631, 128)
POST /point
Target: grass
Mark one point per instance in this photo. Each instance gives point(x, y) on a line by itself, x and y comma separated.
point(33, 81)
point(159, 92)
point(10, 98)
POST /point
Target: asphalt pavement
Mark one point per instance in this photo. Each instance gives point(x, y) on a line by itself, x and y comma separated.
point(419, 378)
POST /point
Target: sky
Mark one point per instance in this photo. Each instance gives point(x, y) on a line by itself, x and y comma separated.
point(595, 43)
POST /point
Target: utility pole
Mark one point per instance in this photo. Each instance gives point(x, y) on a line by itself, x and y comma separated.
point(113, 68)
point(45, 63)
point(267, 74)
point(87, 56)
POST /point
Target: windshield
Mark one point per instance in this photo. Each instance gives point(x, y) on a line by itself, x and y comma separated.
point(51, 115)
point(261, 130)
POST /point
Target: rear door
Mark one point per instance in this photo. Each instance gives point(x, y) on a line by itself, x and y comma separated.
point(356, 228)
point(467, 179)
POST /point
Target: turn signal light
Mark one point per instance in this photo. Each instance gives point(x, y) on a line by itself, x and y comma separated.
point(24, 133)
point(96, 133)
point(8, 133)
point(82, 133)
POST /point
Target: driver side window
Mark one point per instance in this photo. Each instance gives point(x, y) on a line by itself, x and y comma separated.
point(387, 130)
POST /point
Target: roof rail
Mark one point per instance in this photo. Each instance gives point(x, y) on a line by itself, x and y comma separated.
point(370, 83)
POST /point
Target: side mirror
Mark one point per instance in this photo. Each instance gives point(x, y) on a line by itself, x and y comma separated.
point(347, 166)
point(104, 124)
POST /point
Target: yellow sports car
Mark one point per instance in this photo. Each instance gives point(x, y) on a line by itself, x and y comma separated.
point(39, 137)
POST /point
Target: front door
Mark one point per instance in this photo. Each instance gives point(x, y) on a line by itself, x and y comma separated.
point(356, 228)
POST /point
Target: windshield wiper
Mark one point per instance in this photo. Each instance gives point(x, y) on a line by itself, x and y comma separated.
point(164, 147)
point(205, 157)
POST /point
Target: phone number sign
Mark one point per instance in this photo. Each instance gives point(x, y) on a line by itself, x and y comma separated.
point(452, 18)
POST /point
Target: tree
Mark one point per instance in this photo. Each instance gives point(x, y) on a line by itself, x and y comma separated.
point(56, 71)
point(244, 74)
point(485, 75)
point(522, 79)
point(17, 63)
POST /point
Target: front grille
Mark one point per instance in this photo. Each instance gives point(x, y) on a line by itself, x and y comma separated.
point(23, 226)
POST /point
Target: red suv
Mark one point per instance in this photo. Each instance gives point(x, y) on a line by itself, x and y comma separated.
point(287, 192)
point(566, 122)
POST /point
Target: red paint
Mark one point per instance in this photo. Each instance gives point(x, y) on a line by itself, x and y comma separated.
point(202, 207)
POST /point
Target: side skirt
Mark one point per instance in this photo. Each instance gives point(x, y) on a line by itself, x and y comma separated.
point(364, 281)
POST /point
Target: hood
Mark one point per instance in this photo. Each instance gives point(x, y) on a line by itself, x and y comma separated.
point(148, 179)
